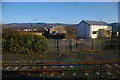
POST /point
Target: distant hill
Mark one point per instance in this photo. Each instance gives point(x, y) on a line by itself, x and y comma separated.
point(47, 25)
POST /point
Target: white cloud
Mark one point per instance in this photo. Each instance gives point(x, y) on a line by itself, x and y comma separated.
point(35, 19)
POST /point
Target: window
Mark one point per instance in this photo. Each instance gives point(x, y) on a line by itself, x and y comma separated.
point(94, 32)
point(53, 32)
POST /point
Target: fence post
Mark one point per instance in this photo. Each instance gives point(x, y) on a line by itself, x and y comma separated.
point(57, 45)
point(76, 45)
point(92, 44)
point(118, 48)
point(100, 71)
point(41, 69)
point(70, 45)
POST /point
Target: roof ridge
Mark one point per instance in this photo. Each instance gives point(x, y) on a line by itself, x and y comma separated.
point(92, 22)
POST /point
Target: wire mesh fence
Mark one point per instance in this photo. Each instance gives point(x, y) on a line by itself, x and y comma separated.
point(81, 44)
point(63, 45)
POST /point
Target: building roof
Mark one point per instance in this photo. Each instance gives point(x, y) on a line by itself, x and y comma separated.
point(90, 22)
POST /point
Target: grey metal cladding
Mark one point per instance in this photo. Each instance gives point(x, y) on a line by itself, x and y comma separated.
point(90, 22)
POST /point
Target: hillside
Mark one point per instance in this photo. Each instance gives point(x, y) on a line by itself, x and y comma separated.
point(47, 25)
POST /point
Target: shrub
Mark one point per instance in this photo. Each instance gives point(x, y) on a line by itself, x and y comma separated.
point(70, 36)
point(112, 43)
point(21, 42)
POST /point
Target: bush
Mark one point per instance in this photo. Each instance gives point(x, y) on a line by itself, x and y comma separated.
point(21, 42)
point(70, 36)
point(112, 43)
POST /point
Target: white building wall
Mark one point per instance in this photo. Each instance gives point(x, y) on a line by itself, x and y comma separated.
point(96, 28)
point(85, 30)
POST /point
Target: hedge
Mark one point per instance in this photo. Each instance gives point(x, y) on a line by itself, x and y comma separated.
point(21, 42)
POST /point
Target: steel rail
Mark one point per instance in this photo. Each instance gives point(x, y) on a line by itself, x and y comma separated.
point(58, 62)
point(68, 70)
point(74, 64)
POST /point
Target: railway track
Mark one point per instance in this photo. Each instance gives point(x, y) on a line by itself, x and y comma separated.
point(63, 69)
point(63, 66)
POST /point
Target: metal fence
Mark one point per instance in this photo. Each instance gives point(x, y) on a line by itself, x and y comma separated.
point(79, 44)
